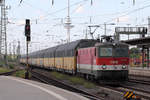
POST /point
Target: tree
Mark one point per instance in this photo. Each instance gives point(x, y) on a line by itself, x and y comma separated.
point(134, 52)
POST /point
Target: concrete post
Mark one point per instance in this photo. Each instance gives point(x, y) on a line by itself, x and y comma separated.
point(148, 57)
point(143, 56)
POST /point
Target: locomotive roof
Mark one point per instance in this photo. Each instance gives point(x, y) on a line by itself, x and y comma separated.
point(110, 43)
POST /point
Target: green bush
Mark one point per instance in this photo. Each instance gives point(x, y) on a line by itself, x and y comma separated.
point(11, 66)
point(145, 65)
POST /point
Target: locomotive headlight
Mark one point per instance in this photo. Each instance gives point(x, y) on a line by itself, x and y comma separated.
point(104, 66)
point(123, 67)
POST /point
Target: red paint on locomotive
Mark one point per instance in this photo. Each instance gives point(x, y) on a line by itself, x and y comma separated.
point(112, 61)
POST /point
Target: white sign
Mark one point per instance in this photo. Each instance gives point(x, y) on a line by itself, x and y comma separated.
point(131, 30)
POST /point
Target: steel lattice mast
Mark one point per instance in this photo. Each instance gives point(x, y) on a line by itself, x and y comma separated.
point(3, 35)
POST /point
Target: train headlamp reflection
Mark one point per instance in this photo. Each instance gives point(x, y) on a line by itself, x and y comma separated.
point(123, 67)
point(104, 66)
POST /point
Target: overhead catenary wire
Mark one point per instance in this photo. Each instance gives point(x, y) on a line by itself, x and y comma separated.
point(55, 12)
point(89, 16)
point(126, 11)
point(130, 12)
point(60, 10)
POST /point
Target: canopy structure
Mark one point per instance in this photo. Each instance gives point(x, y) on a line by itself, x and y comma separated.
point(143, 43)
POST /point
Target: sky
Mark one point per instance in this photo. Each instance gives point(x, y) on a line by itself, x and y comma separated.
point(47, 20)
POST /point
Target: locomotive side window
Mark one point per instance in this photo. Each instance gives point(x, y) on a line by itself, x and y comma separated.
point(105, 52)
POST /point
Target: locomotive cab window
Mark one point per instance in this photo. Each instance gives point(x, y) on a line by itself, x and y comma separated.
point(105, 51)
point(121, 52)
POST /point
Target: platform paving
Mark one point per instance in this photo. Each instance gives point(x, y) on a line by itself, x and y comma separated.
point(12, 88)
point(141, 71)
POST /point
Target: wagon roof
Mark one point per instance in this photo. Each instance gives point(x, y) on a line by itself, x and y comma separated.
point(68, 46)
point(52, 49)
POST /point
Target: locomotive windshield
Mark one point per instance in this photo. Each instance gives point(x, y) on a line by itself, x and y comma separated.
point(121, 52)
point(105, 52)
point(113, 51)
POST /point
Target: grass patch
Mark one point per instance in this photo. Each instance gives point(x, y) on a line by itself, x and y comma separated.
point(77, 80)
point(59, 76)
point(21, 74)
point(3, 70)
point(81, 81)
point(89, 85)
point(74, 80)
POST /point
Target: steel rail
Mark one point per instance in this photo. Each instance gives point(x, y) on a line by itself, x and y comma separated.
point(139, 81)
point(123, 89)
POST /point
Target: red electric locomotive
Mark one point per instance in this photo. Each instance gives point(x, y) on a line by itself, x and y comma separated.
point(107, 61)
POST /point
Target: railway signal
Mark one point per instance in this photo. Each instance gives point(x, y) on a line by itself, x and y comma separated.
point(28, 39)
point(27, 30)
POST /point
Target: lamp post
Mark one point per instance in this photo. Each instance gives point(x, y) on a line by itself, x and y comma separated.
point(128, 33)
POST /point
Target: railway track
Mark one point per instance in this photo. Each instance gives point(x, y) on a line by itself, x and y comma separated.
point(140, 87)
point(139, 79)
point(63, 85)
point(123, 89)
point(120, 90)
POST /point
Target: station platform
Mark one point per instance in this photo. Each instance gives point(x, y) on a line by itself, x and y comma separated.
point(12, 88)
point(140, 71)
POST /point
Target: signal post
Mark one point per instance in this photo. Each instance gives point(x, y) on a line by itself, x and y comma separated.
point(28, 39)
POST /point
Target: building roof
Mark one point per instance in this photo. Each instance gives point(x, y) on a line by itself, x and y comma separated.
point(139, 41)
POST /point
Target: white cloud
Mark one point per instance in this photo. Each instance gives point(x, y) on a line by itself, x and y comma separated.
point(20, 22)
point(41, 17)
point(122, 19)
point(79, 9)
